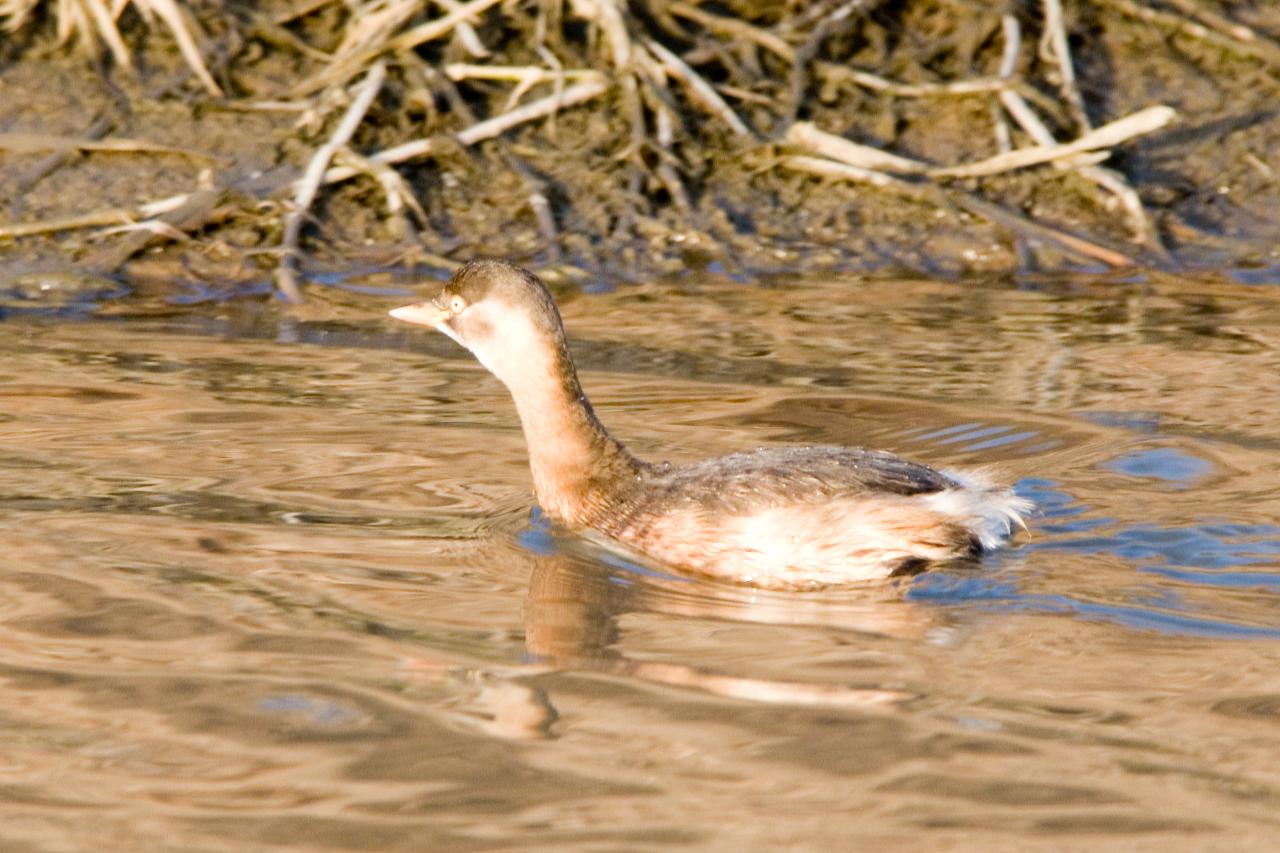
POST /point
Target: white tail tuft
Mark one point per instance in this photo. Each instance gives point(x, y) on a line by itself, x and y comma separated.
point(990, 512)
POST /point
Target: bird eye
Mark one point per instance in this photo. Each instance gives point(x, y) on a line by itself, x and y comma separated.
point(457, 304)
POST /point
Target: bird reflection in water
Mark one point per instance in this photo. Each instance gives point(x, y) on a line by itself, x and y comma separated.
point(574, 605)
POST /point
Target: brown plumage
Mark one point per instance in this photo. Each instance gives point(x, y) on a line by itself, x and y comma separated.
point(784, 517)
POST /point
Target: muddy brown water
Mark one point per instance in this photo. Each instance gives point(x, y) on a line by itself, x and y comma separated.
point(272, 582)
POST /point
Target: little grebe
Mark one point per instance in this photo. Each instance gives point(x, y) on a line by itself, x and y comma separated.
point(794, 517)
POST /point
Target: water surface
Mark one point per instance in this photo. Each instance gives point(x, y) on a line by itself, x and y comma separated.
point(271, 581)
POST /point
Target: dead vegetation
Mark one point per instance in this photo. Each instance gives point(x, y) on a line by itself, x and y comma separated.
point(645, 134)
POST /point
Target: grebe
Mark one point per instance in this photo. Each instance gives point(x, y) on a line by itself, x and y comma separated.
point(797, 517)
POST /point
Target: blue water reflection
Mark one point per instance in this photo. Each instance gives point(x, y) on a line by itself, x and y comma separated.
point(1161, 463)
point(1211, 554)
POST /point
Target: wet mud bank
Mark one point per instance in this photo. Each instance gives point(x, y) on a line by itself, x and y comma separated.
point(937, 136)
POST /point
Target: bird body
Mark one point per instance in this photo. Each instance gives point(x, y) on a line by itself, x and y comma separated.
point(792, 517)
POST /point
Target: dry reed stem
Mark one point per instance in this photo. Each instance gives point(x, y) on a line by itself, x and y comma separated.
point(827, 168)
point(1012, 35)
point(371, 24)
point(270, 106)
point(608, 17)
point(399, 196)
point(1257, 47)
point(309, 185)
point(1021, 111)
point(805, 135)
point(488, 129)
point(104, 20)
point(96, 19)
point(1106, 136)
point(558, 67)
point(15, 13)
point(466, 33)
point(735, 28)
point(261, 27)
point(195, 211)
point(345, 68)
point(105, 216)
point(1085, 164)
point(301, 10)
point(1055, 40)
point(1011, 32)
point(52, 142)
point(151, 227)
point(976, 86)
point(699, 89)
point(1226, 26)
point(1135, 213)
point(169, 12)
point(514, 73)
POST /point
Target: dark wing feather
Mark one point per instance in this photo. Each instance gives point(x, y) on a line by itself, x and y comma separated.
point(791, 475)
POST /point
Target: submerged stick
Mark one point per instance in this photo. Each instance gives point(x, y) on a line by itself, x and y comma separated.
point(932, 194)
point(1018, 223)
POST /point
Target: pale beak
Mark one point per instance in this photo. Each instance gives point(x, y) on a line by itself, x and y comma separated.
point(422, 313)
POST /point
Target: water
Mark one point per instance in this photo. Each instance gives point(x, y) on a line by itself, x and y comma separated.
point(271, 581)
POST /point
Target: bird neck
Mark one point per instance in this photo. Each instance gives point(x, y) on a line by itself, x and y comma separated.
point(578, 468)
